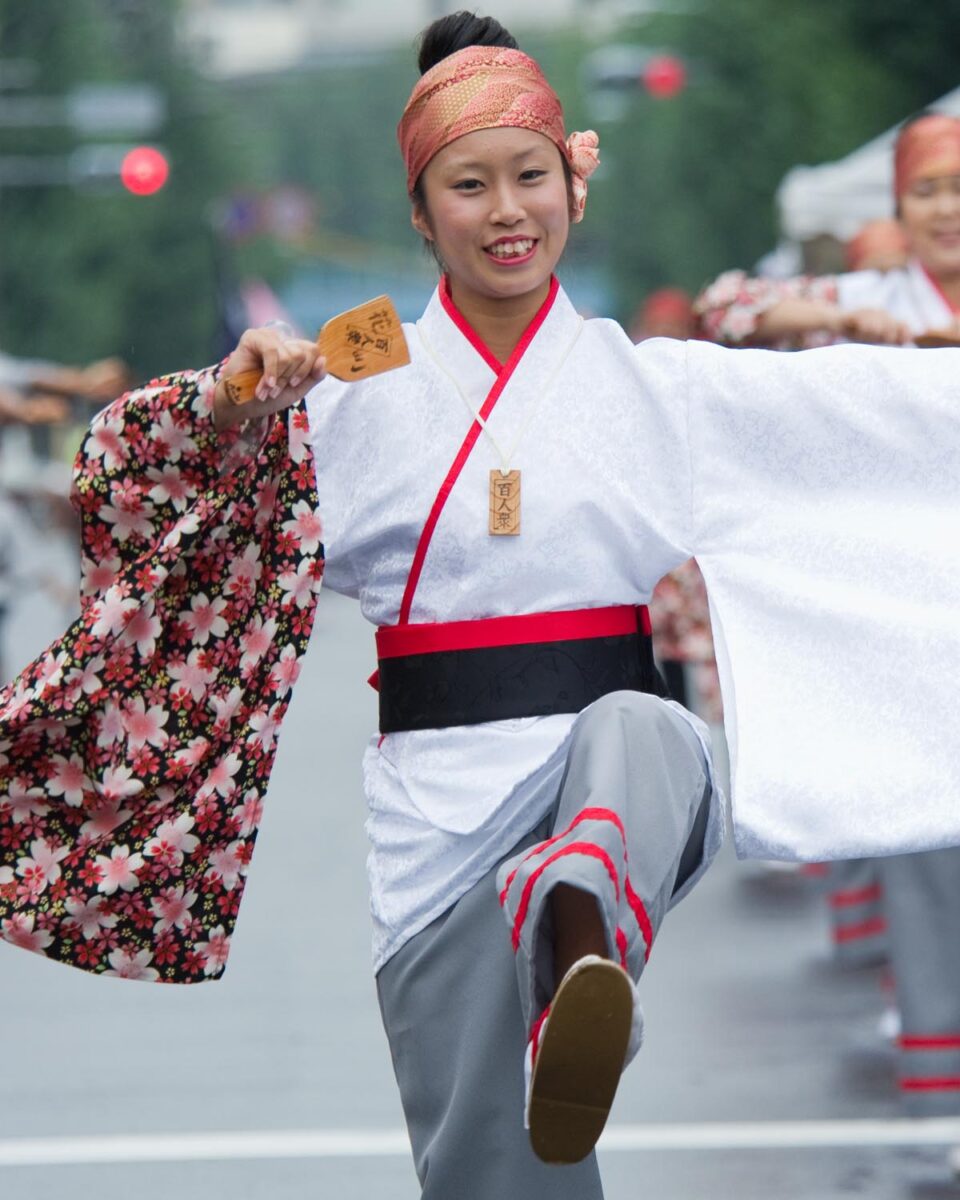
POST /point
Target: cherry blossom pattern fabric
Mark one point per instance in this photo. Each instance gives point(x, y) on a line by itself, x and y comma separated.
point(680, 615)
point(135, 753)
point(729, 309)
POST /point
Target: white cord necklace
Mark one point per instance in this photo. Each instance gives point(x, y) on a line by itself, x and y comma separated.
point(504, 482)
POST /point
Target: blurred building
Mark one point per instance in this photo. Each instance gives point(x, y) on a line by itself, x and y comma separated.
point(239, 37)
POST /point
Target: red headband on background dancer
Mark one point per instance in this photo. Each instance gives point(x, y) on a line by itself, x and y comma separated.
point(926, 148)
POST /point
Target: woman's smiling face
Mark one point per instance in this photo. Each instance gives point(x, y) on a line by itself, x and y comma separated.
point(930, 215)
point(497, 208)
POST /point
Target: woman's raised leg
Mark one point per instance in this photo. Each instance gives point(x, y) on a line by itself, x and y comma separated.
point(453, 1018)
point(628, 830)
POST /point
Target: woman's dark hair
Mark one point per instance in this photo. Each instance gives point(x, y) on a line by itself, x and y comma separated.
point(447, 35)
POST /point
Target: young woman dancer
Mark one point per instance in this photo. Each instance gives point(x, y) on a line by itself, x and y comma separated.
point(525, 767)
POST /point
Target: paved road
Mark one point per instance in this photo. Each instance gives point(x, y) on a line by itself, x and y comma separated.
point(748, 1022)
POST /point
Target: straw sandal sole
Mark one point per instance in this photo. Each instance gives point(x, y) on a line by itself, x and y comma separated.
point(579, 1061)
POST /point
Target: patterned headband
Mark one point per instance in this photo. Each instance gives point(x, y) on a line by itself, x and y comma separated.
point(489, 87)
point(930, 146)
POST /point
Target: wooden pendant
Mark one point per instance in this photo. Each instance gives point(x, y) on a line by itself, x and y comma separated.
point(504, 502)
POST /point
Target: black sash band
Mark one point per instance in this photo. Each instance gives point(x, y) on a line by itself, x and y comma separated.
point(494, 683)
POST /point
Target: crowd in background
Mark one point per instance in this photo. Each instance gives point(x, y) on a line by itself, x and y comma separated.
point(44, 408)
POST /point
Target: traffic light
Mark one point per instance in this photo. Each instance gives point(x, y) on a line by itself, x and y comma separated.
point(144, 170)
point(664, 76)
point(614, 73)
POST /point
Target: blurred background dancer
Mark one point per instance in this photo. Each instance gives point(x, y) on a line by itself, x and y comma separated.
point(919, 893)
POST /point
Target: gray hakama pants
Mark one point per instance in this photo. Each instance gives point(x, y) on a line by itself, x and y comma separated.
point(628, 826)
point(857, 917)
point(922, 901)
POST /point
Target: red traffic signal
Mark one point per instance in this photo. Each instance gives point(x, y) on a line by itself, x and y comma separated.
point(664, 76)
point(144, 170)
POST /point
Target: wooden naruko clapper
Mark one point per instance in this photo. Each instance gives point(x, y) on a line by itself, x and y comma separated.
point(363, 341)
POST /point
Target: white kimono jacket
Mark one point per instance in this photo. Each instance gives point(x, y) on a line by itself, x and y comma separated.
point(908, 294)
point(819, 493)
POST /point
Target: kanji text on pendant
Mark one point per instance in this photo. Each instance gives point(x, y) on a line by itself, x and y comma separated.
point(504, 502)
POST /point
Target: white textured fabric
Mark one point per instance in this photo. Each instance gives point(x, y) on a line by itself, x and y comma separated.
point(906, 294)
point(819, 492)
point(826, 513)
point(858, 576)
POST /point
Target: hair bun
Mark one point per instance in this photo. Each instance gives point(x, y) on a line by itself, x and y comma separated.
point(447, 35)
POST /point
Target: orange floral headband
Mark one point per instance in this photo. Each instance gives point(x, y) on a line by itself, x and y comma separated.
point(489, 87)
point(930, 146)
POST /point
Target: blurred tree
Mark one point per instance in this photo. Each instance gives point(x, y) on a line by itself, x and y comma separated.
point(686, 186)
point(92, 270)
point(328, 126)
point(913, 41)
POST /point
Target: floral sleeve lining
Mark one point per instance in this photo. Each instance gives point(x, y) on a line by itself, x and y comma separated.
point(135, 752)
point(729, 309)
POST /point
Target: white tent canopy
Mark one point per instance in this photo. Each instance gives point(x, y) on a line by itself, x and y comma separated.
point(838, 198)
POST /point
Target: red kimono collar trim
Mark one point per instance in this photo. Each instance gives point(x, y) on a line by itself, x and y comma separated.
point(477, 342)
point(936, 285)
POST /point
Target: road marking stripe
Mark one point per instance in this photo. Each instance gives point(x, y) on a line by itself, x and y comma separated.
point(363, 1143)
point(783, 1135)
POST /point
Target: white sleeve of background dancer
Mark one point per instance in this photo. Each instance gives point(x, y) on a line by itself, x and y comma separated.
point(826, 521)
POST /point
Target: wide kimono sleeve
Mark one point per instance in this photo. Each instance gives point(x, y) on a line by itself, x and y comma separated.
point(826, 521)
point(135, 752)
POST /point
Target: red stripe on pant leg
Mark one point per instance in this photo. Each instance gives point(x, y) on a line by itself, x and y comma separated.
point(931, 1083)
point(865, 895)
point(643, 919)
point(934, 1041)
point(585, 814)
point(851, 933)
point(587, 848)
point(622, 947)
point(636, 904)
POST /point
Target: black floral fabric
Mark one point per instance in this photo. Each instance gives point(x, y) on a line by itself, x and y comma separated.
point(136, 751)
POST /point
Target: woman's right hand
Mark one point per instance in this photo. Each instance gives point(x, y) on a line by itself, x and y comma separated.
point(873, 325)
point(290, 367)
